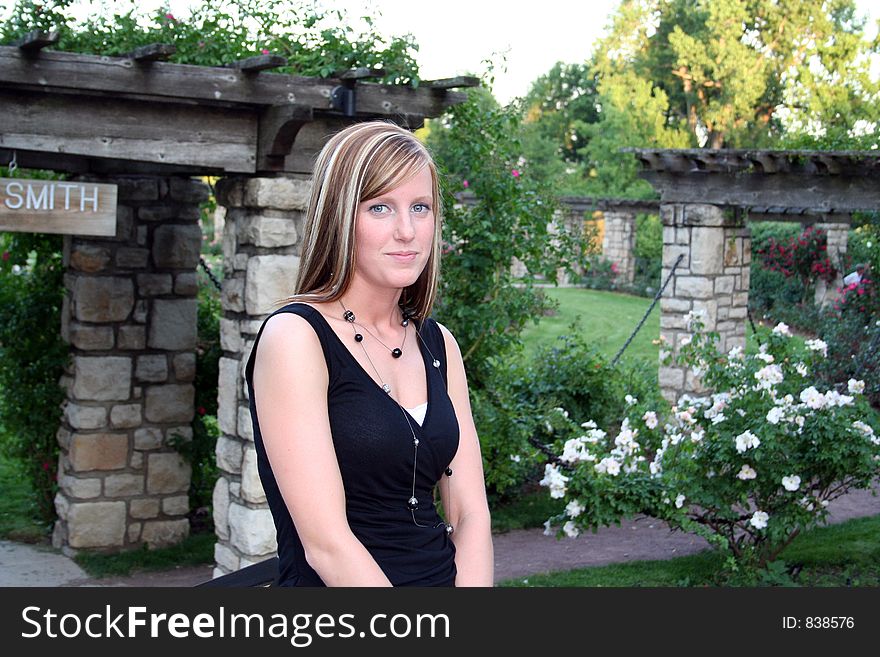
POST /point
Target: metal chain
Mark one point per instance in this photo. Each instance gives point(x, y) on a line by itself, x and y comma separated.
point(209, 273)
point(648, 311)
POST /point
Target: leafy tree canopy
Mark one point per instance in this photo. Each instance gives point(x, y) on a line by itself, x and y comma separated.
point(741, 73)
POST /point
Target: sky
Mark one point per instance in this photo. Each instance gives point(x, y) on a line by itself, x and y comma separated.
point(455, 36)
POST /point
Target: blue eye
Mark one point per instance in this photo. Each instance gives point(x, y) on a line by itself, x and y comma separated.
point(421, 208)
point(379, 208)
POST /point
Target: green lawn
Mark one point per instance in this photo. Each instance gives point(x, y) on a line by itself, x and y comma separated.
point(17, 507)
point(605, 318)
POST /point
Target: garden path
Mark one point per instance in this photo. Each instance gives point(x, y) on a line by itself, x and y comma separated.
point(518, 553)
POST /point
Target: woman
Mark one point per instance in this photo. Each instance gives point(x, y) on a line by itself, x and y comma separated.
point(359, 400)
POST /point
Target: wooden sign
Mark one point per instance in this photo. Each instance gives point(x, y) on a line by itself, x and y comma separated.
point(57, 206)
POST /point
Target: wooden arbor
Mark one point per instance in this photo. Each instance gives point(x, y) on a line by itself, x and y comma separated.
point(147, 127)
point(706, 197)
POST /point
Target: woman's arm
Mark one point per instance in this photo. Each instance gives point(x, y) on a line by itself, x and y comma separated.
point(290, 387)
point(464, 493)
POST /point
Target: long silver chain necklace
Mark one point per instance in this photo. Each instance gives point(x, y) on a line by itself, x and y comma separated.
point(413, 502)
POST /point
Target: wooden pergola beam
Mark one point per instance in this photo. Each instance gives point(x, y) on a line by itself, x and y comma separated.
point(153, 52)
point(808, 182)
point(164, 81)
point(34, 41)
point(259, 63)
point(81, 109)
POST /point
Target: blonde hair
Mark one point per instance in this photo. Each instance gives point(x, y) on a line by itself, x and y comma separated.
point(361, 162)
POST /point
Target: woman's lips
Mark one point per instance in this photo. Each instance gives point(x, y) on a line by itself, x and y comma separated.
point(403, 256)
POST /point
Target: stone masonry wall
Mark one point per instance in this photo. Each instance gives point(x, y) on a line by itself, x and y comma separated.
point(837, 240)
point(618, 243)
point(261, 246)
point(713, 277)
point(129, 315)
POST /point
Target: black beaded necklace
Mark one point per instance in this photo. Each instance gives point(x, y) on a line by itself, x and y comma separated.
point(412, 503)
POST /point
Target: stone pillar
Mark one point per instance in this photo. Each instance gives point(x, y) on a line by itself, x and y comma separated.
point(837, 238)
point(713, 277)
point(129, 315)
point(619, 241)
point(261, 246)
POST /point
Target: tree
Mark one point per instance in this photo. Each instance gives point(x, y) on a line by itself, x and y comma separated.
point(739, 73)
point(481, 300)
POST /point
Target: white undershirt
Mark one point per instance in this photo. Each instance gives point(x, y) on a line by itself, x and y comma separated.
point(418, 412)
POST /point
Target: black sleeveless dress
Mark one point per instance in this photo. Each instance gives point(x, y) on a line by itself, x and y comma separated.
point(374, 448)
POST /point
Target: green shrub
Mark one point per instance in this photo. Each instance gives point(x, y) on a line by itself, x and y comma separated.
point(515, 414)
point(480, 300)
point(748, 467)
point(32, 358)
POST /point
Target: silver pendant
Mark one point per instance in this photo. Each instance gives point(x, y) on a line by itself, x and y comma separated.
point(436, 363)
point(386, 388)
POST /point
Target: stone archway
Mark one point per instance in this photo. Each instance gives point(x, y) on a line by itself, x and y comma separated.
point(148, 128)
point(706, 198)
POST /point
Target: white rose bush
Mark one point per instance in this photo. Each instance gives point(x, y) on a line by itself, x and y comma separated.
point(749, 464)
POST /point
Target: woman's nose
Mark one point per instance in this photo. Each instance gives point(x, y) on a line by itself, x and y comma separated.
point(405, 229)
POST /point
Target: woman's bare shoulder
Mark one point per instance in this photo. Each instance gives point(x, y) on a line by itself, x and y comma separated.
point(287, 336)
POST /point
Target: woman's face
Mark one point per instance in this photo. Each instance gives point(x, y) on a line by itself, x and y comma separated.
point(394, 234)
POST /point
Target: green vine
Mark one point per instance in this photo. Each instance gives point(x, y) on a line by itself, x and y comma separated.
point(317, 42)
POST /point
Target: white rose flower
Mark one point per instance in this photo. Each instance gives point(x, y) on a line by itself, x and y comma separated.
point(769, 376)
point(589, 424)
point(855, 387)
point(608, 465)
point(573, 451)
point(570, 529)
point(746, 440)
point(801, 369)
point(774, 415)
point(559, 409)
point(515, 458)
point(574, 508)
point(782, 329)
point(818, 345)
point(735, 353)
point(630, 400)
point(650, 419)
point(685, 341)
point(746, 472)
point(759, 520)
point(813, 398)
point(697, 436)
point(718, 418)
point(548, 531)
point(767, 358)
point(866, 429)
point(554, 480)
point(679, 501)
point(791, 482)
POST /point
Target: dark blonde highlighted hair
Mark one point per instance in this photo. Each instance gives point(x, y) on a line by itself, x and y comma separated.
point(359, 163)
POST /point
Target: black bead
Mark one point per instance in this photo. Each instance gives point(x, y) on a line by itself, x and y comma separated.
point(412, 503)
point(358, 337)
point(405, 322)
point(448, 472)
point(449, 530)
point(397, 353)
point(348, 316)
